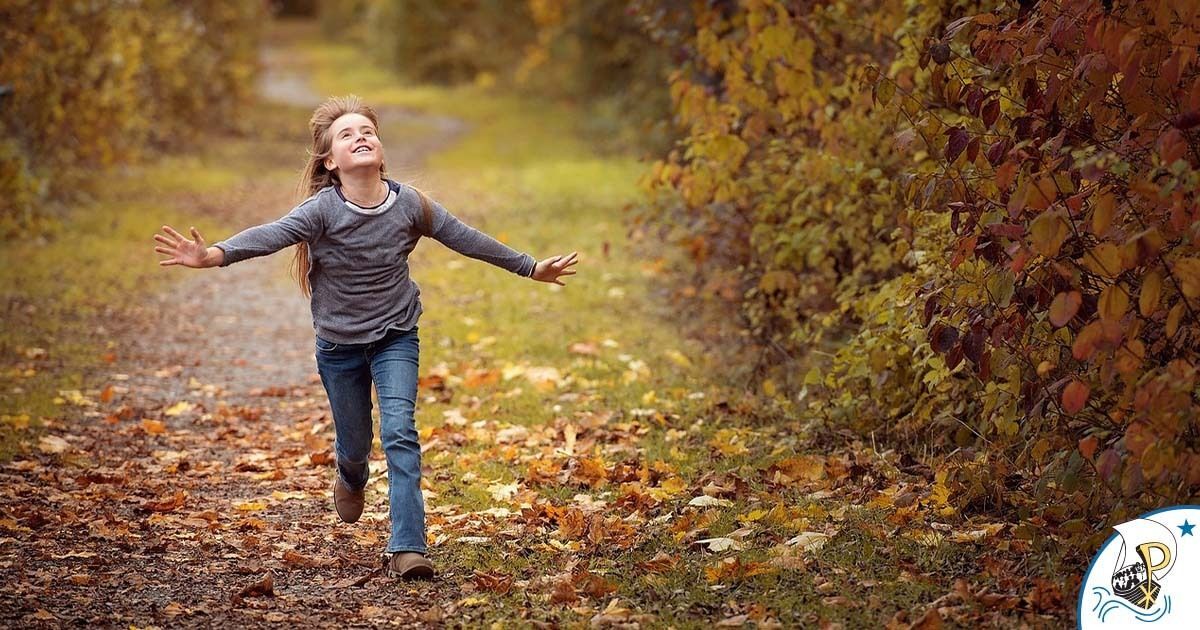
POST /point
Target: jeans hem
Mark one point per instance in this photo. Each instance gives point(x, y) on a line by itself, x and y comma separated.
point(421, 550)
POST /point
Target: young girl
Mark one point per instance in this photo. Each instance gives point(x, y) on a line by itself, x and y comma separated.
point(353, 234)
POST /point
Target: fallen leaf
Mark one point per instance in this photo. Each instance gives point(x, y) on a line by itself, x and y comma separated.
point(706, 501)
point(264, 587)
point(179, 408)
point(809, 541)
point(153, 427)
point(52, 444)
point(720, 544)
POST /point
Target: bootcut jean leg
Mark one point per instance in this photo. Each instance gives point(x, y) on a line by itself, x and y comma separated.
point(394, 368)
point(346, 375)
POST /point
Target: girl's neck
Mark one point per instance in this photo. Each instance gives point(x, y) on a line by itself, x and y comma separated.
point(363, 189)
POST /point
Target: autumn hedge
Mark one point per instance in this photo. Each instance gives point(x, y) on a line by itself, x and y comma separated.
point(96, 84)
point(984, 218)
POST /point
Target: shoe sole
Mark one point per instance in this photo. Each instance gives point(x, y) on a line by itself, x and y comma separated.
point(415, 573)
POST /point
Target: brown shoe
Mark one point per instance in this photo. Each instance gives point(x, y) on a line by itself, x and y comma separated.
point(408, 565)
point(347, 502)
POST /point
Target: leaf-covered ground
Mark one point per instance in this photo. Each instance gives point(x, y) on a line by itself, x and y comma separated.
point(588, 460)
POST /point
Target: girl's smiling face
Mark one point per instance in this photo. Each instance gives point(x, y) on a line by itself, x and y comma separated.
point(354, 145)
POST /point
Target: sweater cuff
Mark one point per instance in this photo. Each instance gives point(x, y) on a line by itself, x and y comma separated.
point(225, 261)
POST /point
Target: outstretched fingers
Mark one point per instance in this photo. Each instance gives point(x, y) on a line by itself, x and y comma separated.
point(171, 231)
point(562, 262)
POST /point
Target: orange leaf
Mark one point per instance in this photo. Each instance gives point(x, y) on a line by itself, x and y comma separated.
point(1064, 307)
point(1087, 446)
point(1075, 396)
point(1085, 342)
point(1103, 214)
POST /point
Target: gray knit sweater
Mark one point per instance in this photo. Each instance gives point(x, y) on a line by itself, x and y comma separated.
point(359, 275)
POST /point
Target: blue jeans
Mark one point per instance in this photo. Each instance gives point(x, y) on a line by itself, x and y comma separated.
point(347, 371)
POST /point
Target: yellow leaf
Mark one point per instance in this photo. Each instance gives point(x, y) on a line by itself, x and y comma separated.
point(251, 506)
point(1188, 271)
point(1150, 293)
point(1104, 260)
point(178, 408)
point(1049, 231)
point(1042, 194)
point(1173, 319)
point(1113, 303)
point(678, 358)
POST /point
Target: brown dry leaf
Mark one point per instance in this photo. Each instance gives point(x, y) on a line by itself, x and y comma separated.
point(298, 559)
point(594, 586)
point(476, 377)
point(496, 582)
point(433, 615)
point(264, 587)
point(800, 468)
point(169, 504)
point(352, 581)
point(660, 563)
point(931, 620)
point(617, 615)
point(564, 592)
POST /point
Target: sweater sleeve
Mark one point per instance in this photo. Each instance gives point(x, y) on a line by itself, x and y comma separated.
point(450, 231)
point(302, 224)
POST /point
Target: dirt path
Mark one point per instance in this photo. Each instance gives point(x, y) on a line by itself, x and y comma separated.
point(202, 473)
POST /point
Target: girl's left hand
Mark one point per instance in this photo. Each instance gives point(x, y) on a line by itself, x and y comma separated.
point(550, 269)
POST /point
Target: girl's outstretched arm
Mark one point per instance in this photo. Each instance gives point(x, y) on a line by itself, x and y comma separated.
point(189, 253)
point(550, 269)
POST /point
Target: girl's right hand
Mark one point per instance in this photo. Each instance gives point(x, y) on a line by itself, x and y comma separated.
point(189, 253)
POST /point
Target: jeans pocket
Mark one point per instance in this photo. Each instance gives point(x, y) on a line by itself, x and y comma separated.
point(326, 346)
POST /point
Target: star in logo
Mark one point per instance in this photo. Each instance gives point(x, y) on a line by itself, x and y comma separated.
point(1186, 528)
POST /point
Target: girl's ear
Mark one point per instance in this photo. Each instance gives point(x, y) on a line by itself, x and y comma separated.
point(330, 165)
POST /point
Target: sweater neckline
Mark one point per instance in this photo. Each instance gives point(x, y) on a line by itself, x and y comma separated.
point(389, 201)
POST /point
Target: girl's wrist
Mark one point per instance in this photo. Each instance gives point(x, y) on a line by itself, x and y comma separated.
point(214, 256)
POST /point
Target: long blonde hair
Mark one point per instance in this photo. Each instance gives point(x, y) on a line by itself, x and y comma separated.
point(316, 177)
